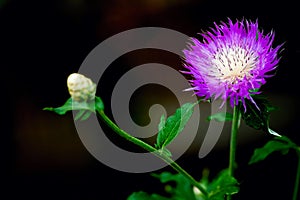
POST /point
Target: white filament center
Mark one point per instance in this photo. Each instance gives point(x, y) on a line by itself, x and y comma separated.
point(232, 64)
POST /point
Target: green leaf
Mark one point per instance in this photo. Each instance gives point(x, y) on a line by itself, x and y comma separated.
point(161, 123)
point(282, 144)
point(222, 185)
point(220, 117)
point(85, 109)
point(169, 129)
point(145, 196)
point(258, 118)
point(182, 189)
point(62, 109)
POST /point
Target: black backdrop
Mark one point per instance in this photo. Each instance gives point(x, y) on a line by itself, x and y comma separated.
point(42, 42)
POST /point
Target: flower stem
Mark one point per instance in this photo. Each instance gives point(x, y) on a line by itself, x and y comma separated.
point(296, 186)
point(233, 138)
point(152, 150)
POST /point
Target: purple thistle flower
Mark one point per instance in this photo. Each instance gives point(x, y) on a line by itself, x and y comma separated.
point(232, 62)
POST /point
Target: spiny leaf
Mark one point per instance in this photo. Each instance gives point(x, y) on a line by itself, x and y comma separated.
point(169, 129)
point(282, 144)
point(220, 117)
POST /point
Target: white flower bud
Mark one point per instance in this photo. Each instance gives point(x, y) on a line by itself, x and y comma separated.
point(80, 87)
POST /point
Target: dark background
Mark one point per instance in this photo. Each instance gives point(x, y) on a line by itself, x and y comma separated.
point(42, 42)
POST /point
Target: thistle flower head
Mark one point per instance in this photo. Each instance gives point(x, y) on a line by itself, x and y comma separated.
point(231, 62)
point(80, 87)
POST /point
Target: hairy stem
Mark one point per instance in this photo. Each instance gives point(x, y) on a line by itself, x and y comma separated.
point(152, 150)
